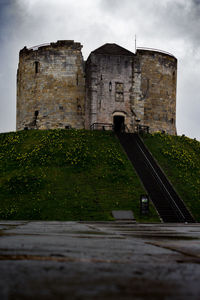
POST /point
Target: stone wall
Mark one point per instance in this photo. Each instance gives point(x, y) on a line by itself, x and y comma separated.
point(156, 90)
point(109, 88)
point(51, 87)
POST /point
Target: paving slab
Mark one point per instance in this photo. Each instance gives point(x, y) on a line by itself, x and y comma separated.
point(99, 260)
point(122, 214)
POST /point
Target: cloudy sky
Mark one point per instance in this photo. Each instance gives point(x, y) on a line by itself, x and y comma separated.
point(170, 25)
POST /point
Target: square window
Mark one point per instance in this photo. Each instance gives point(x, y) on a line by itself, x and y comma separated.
point(119, 87)
point(119, 92)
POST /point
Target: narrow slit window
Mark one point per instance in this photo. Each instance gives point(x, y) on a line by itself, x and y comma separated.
point(36, 67)
point(77, 79)
point(110, 86)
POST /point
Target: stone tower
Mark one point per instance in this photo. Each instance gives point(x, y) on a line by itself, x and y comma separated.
point(154, 85)
point(57, 89)
point(109, 81)
point(51, 86)
point(124, 87)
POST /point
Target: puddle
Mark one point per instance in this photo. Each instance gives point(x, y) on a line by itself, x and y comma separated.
point(99, 237)
point(3, 233)
point(164, 237)
point(90, 232)
point(59, 258)
point(185, 252)
point(188, 261)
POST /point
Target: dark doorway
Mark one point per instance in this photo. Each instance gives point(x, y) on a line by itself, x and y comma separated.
point(118, 123)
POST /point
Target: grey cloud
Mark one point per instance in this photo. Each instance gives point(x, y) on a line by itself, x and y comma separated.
point(183, 21)
point(171, 18)
point(196, 2)
point(171, 25)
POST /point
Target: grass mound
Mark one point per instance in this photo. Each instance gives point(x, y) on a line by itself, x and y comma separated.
point(179, 157)
point(66, 175)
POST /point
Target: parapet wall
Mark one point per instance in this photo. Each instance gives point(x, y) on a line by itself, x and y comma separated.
point(51, 86)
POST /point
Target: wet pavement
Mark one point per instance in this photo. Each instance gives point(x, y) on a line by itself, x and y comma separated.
point(99, 260)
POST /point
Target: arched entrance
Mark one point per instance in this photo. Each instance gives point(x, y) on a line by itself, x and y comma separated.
point(118, 122)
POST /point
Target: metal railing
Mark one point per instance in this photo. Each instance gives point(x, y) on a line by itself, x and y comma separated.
point(142, 128)
point(153, 166)
point(101, 126)
point(38, 46)
point(126, 129)
point(156, 50)
point(108, 126)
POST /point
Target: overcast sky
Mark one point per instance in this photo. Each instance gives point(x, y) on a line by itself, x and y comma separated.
point(170, 25)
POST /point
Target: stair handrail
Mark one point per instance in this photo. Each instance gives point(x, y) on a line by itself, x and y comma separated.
point(126, 128)
point(159, 179)
point(140, 127)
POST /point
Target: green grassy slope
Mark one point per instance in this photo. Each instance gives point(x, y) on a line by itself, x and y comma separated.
point(66, 175)
point(179, 157)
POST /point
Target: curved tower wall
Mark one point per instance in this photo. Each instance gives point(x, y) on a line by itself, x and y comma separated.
point(51, 87)
point(155, 76)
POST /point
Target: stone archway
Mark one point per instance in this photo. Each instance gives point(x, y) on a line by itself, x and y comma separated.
point(118, 122)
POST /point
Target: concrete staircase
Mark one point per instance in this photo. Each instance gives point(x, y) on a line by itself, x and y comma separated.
point(167, 202)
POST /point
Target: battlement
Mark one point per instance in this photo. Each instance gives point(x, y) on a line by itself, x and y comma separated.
point(67, 44)
point(150, 51)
